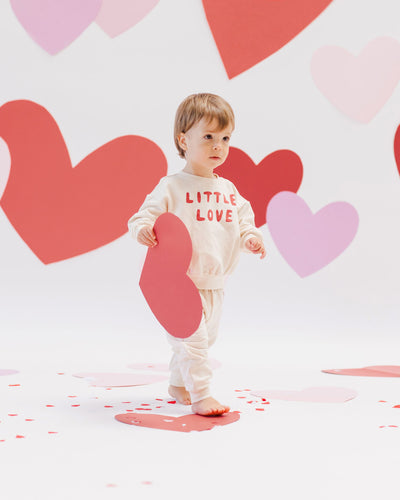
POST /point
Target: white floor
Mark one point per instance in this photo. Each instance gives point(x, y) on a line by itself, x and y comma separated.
point(290, 450)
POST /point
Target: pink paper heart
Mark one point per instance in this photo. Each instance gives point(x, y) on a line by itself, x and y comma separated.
point(117, 16)
point(186, 423)
point(309, 242)
point(170, 293)
point(4, 372)
point(368, 371)
point(54, 24)
point(5, 165)
point(311, 395)
point(358, 86)
point(120, 379)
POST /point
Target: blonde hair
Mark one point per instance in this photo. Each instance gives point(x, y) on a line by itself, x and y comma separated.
point(198, 106)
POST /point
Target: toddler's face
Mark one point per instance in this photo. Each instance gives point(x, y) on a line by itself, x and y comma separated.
point(205, 145)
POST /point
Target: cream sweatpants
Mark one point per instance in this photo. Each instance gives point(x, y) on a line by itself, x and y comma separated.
point(189, 364)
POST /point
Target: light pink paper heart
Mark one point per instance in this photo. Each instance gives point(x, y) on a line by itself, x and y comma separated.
point(54, 24)
point(358, 86)
point(5, 165)
point(309, 242)
point(117, 16)
point(368, 371)
point(120, 379)
point(311, 395)
point(185, 423)
point(4, 372)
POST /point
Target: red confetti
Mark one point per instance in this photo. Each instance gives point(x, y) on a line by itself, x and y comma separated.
point(397, 406)
point(72, 396)
point(111, 485)
point(19, 437)
point(157, 399)
point(143, 409)
point(382, 401)
point(14, 385)
point(53, 432)
point(260, 409)
point(2, 440)
point(266, 403)
point(144, 404)
point(29, 420)
point(126, 402)
point(13, 414)
point(60, 373)
point(241, 397)
point(158, 406)
point(49, 406)
point(128, 410)
point(171, 402)
point(392, 425)
point(108, 406)
point(75, 406)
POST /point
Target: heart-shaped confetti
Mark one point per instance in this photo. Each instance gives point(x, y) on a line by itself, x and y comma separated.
point(117, 16)
point(5, 165)
point(248, 32)
point(310, 242)
point(185, 423)
point(359, 86)
point(55, 24)
point(170, 293)
point(61, 211)
point(280, 171)
point(311, 395)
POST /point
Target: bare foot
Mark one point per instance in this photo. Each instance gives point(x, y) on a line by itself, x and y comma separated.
point(209, 407)
point(180, 394)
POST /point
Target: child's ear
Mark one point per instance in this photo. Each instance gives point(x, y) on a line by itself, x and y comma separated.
point(182, 141)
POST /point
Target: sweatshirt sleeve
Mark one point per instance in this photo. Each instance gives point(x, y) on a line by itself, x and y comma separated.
point(246, 222)
point(155, 204)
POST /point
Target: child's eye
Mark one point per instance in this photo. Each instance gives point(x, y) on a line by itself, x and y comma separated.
point(208, 136)
point(226, 139)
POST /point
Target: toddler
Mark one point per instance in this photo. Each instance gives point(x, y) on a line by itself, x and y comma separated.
point(220, 222)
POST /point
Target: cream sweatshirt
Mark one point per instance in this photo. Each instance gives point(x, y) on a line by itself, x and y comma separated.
point(218, 218)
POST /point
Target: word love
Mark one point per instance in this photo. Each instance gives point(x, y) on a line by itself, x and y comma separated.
point(212, 197)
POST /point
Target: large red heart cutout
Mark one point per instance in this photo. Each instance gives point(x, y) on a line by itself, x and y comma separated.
point(397, 148)
point(170, 293)
point(248, 32)
point(185, 423)
point(282, 170)
point(60, 211)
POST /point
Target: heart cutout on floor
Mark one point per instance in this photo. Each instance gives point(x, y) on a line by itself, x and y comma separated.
point(120, 379)
point(311, 395)
point(397, 148)
point(308, 242)
point(61, 211)
point(368, 371)
point(358, 86)
point(248, 32)
point(5, 166)
point(282, 170)
point(55, 24)
point(185, 423)
point(168, 290)
point(117, 16)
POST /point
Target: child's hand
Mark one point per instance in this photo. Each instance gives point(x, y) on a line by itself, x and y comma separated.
point(147, 237)
point(256, 246)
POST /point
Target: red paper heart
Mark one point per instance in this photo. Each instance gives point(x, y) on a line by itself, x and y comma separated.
point(186, 423)
point(170, 293)
point(397, 148)
point(60, 211)
point(248, 32)
point(279, 171)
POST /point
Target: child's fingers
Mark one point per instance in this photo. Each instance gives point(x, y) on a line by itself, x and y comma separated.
point(147, 237)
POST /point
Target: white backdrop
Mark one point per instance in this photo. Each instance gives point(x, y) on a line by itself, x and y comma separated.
point(100, 88)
